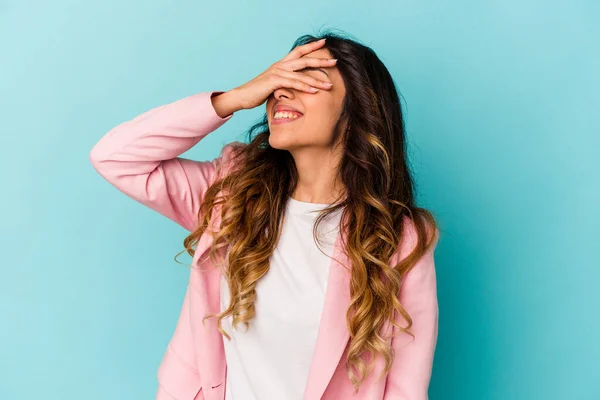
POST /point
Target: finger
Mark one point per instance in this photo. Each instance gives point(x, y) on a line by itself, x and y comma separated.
point(295, 84)
point(304, 49)
point(300, 63)
point(309, 80)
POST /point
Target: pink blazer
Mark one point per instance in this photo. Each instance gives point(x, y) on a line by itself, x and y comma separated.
point(140, 157)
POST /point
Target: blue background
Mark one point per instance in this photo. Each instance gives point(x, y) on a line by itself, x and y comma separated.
point(502, 114)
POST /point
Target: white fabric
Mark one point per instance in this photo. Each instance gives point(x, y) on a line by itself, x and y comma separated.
point(272, 359)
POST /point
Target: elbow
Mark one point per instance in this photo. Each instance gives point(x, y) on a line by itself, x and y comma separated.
point(96, 157)
point(101, 152)
point(101, 158)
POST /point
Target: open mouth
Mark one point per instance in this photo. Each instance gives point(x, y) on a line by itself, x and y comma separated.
point(282, 117)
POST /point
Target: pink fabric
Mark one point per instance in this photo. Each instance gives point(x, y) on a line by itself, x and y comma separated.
point(141, 158)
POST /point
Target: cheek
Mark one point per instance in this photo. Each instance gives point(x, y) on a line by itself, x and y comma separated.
point(319, 126)
point(322, 111)
point(322, 107)
point(329, 113)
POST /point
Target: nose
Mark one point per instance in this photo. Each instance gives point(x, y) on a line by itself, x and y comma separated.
point(283, 93)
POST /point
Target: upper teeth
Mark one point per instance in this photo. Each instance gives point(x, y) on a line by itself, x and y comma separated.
point(283, 114)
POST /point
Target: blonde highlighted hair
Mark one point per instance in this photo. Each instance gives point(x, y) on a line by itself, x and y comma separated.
point(378, 202)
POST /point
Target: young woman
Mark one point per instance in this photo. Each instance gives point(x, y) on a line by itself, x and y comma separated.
point(324, 256)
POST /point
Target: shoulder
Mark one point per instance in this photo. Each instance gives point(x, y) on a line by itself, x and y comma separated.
point(409, 238)
point(231, 148)
point(229, 157)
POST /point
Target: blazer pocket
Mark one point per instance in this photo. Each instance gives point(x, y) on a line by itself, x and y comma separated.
point(200, 395)
point(162, 394)
point(178, 379)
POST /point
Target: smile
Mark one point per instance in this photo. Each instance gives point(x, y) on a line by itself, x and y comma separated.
point(285, 117)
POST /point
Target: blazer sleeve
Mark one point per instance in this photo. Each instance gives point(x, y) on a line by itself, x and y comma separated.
point(140, 157)
point(411, 369)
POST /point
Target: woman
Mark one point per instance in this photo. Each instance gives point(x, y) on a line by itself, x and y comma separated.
point(324, 256)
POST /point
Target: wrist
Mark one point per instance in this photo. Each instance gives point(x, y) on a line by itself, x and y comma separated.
point(225, 103)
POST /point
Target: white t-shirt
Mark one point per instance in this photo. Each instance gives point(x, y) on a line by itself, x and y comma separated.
point(272, 359)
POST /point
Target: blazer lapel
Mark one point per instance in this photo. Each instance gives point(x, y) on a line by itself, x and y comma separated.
point(211, 363)
point(333, 334)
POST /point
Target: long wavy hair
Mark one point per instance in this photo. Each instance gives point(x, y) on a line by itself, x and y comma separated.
point(379, 195)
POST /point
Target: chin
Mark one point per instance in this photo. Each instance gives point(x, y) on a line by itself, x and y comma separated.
point(282, 141)
point(276, 142)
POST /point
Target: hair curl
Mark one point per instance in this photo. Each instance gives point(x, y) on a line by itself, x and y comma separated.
point(378, 201)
